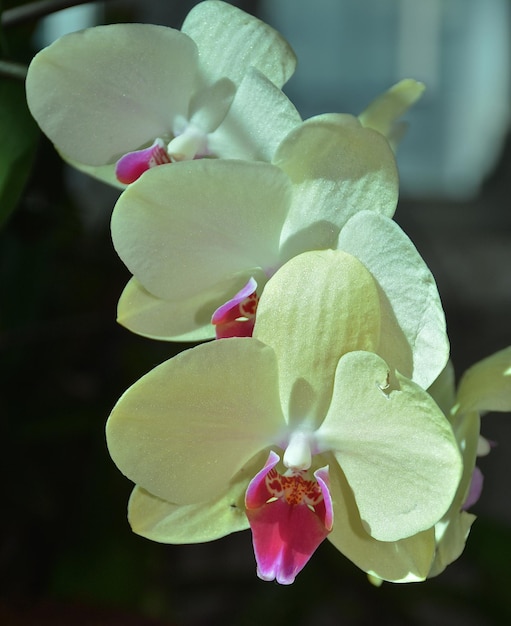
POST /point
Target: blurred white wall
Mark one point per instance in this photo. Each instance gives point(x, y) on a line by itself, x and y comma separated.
point(350, 50)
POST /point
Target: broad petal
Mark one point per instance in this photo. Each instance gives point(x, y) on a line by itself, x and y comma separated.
point(260, 117)
point(338, 168)
point(230, 41)
point(318, 306)
point(108, 90)
point(409, 292)
point(486, 386)
point(183, 228)
point(171, 320)
point(165, 522)
point(384, 112)
point(405, 560)
point(394, 445)
point(187, 427)
point(162, 521)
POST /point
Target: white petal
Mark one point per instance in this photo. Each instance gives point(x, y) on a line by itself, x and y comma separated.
point(318, 306)
point(454, 537)
point(184, 430)
point(410, 291)
point(394, 445)
point(230, 41)
point(443, 389)
point(162, 521)
point(176, 320)
point(104, 173)
point(338, 168)
point(165, 522)
point(108, 90)
point(209, 106)
point(183, 228)
point(405, 560)
point(452, 530)
point(486, 386)
point(466, 428)
point(384, 112)
point(260, 117)
point(149, 316)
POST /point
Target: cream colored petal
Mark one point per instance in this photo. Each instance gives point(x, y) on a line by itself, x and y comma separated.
point(260, 117)
point(230, 41)
point(406, 560)
point(108, 90)
point(209, 106)
point(317, 307)
point(410, 296)
point(187, 427)
point(181, 320)
point(452, 541)
point(486, 386)
point(183, 228)
point(452, 530)
point(466, 427)
point(443, 389)
point(394, 445)
point(338, 168)
point(104, 173)
point(165, 522)
point(384, 112)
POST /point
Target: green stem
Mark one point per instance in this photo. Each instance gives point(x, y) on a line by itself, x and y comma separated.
point(13, 70)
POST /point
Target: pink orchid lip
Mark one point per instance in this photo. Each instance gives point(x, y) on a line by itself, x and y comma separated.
point(133, 164)
point(290, 515)
point(236, 317)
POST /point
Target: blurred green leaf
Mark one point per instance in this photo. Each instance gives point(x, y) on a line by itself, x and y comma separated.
point(18, 137)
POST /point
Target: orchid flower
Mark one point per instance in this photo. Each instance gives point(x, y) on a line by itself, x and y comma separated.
point(199, 237)
point(132, 96)
point(304, 431)
point(486, 386)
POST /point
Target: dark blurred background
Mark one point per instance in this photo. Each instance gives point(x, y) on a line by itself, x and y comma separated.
point(67, 555)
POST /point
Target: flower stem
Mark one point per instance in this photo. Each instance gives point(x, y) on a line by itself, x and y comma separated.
point(13, 70)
